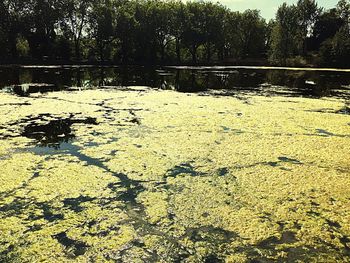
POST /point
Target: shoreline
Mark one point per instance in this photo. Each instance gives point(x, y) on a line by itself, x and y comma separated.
point(197, 67)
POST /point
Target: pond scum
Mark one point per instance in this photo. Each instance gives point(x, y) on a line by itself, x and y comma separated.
point(159, 176)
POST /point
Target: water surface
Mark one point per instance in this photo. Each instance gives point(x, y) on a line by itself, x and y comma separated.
point(305, 83)
point(174, 165)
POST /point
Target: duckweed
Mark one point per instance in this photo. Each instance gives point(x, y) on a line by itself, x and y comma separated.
point(173, 177)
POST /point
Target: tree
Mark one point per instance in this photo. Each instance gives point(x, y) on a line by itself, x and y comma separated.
point(17, 22)
point(177, 25)
point(4, 34)
point(285, 42)
point(341, 46)
point(335, 50)
point(102, 26)
point(252, 31)
point(246, 34)
point(153, 31)
point(193, 36)
point(343, 10)
point(327, 25)
point(341, 41)
point(45, 16)
point(308, 13)
point(126, 26)
point(161, 19)
point(231, 32)
point(269, 29)
point(75, 21)
point(212, 27)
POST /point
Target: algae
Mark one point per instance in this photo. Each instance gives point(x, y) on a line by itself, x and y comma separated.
point(161, 176)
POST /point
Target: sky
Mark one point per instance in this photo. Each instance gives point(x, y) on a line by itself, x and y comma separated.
point(268, 8)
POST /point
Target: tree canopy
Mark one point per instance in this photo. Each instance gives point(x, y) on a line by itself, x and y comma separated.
point(154, 32)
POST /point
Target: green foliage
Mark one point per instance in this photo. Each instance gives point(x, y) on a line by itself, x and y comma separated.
point(152, 31)
point(343, 9)
point(308, 13)
point(326, 27)
point(126, 26)
point(22, 46)
point(304, 28)
point(102, 28)
point(285, 34)
point(336, 49)
point(252, 32)
point(341, 43)
point(193, 35)
point(245, 34)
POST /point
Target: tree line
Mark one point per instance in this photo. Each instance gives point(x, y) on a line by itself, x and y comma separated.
point(153, 31)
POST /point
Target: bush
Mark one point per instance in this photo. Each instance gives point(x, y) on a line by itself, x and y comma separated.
point(336, 51)
point(341, 47)
point(297, 61)
point(22, 46)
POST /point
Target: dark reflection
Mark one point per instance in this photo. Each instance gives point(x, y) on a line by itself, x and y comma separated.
point(344, 110)
point(54, 132)
point(24, 81)
point(26, 89)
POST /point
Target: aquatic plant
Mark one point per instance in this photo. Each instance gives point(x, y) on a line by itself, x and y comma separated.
point(162, 176)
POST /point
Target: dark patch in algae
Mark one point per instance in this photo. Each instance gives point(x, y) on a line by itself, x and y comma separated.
point(55, 131)
point(223, 171)
point(289, 160)
point(184, 168)
point(77, 248)
point(74, 204)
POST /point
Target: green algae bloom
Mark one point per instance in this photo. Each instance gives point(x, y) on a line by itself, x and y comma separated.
point(159, 176)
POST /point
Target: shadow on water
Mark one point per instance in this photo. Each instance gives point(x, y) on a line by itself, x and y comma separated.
point(24, 81)
point(131, 187)
point(76, 248)
point(55, 132)
point(56, 137)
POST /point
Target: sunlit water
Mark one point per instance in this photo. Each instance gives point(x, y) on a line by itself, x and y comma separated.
point(174, 165)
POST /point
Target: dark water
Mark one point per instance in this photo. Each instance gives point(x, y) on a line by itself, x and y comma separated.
point(54, 132)
point(24, 81)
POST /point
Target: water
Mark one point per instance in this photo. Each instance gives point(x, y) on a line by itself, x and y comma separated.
point(229, 81)
point(186, 176)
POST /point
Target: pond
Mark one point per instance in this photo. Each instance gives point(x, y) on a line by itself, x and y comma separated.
point(174, 164)
point(233, 80)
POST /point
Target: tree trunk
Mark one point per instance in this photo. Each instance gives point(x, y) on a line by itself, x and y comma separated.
point(221, 54)
point(162, 52)
point(194, 51)
point(101, 52)
point(178, 51)
point(77, 50)
point(124, 53)
point(208, 49)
